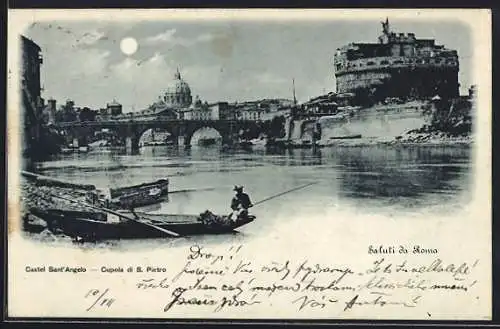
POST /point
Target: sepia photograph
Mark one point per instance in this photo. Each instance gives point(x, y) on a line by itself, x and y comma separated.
point(249, 164)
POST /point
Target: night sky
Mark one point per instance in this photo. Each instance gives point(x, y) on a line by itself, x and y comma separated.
point(222, 60)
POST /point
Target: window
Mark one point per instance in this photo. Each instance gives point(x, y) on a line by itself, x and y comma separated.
point(384, 62)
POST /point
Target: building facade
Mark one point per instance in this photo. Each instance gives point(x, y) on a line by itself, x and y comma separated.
point(223, 111)
point(260, 110)
point(201, 111)
point(249, 112)
point(49, 115)
point(114, 108)
point(399, 65)
point(320, 106)
point(32, 104)
point(30, 71)
point(38, 140)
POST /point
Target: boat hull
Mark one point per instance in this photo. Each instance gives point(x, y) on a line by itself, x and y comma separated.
point(131, 196)
point(96, 226)
point(161, 184)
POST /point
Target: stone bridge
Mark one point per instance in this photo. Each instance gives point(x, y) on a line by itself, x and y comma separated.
point(131, 131)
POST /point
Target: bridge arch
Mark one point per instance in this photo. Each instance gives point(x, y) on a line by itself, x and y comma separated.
point(182, 131)
point(111, 135)
point(155, 134)
point(204, 132)
point(83, 134)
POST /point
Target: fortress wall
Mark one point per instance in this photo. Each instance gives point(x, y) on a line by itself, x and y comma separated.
point(422, 81)
point(296, 132)
point(370, 123)
point(349, 82)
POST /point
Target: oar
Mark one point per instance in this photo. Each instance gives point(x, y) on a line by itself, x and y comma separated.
point(192, 190)
point(118, 214)
point(282, 193)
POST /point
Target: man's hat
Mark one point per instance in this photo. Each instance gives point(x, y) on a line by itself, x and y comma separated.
point(238, 188)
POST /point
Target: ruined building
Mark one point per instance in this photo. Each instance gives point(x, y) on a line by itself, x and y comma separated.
point(399, 65)
point(38, 140)
point(30, 92)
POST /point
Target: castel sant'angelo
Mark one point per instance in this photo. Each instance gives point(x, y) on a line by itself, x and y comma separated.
point(398, 65)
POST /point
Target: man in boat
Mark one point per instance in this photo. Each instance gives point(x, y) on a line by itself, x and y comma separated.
point(240, 204)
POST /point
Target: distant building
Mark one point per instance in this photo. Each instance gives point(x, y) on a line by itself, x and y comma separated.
point(201, 111)
point(274, 104)
point(67, 112)
point(30, 72)
point(264, 109)
point(178, 93)
point(159, 109)
point(70, 104)
point(321, 105)
point(114, 108)
point(249, 112)
point(177, 103)
point(222, 111)
point(473, 92)
point(399, 65)
point(50, 111)
point(184, 114)
point(173, 104)
point(31, 94)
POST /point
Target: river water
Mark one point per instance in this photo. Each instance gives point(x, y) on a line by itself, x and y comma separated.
point(415, 181)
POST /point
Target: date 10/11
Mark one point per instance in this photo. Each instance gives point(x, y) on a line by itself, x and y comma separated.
point(99, 299)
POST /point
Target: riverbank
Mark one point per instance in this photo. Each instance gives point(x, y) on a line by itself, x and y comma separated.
point(434, 138)
point(44, 197)
point(409, 139)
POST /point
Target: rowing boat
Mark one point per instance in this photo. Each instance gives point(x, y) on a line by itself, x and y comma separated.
point(130, 196)
point(93, 226)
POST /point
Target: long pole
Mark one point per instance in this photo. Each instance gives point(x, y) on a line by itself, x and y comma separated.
point(56, 182)
point(282, 193)
point(61, 183)
point(118, 214)
point(192, 190)
point(294, 98)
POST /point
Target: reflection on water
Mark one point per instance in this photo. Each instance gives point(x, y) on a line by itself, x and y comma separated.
point(371, 179)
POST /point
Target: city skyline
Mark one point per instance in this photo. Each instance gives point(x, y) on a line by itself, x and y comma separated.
point(221, 61)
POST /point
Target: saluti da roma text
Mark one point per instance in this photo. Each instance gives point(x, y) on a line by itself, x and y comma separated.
point(417, 249)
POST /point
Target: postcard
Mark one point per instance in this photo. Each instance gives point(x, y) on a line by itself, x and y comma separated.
point(249, 164)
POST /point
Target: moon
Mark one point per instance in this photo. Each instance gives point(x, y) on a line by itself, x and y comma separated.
point(128, 46)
